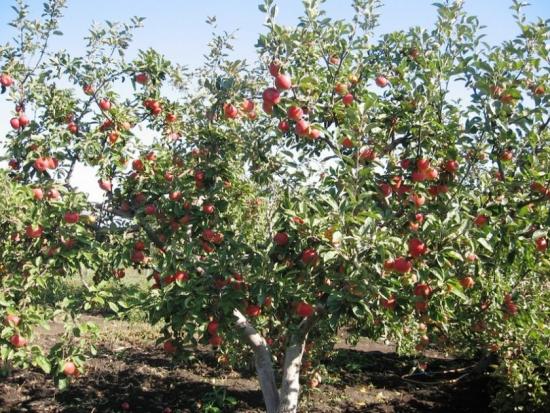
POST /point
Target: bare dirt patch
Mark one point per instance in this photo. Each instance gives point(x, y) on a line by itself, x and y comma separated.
point(130, 368)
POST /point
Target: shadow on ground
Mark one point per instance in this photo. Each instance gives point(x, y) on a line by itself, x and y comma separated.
point(365, 381)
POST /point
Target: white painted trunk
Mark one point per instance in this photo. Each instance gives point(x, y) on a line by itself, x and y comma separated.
point(290, 386)
point(285, 400)
point(263, 362)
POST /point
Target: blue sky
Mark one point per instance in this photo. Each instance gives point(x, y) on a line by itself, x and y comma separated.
point(177, 29)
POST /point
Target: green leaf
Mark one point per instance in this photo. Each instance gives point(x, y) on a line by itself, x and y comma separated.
point(454, 254)
point(483, 242)
point(63, 383)
point(458, 293)
point(43, 363)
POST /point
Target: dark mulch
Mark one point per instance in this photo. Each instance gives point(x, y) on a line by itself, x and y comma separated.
point(366, 378)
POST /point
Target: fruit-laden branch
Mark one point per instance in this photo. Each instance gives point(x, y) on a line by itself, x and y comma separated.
point(538, 200)
point(129, 215)
point(263, 361)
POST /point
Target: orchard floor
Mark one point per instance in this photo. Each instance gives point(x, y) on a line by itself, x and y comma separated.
point(129, 368)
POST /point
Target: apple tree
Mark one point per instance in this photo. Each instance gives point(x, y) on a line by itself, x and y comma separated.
point(395, 187)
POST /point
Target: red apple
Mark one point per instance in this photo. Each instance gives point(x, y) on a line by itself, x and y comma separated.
point(34, 232)
point(151, 156)
point(208, 209)
point(422, 164)
point(17, 341)
point(467, 282)
point(175, 196)
point(341, 88)
point(507, 155)
point(295, 113)
point(309, 256)
point(271, 96)
point(13, 164)
point(169, 347)
point(137, 165)
point(347, 143)
point(541, 244)
point(283, 82)
point(213, 327)
point(347, 99)
point(14, 122)
point(105, 185)
point(52, 163)
point(302, 128)
point(53, 194)
point(199, 175)
point(283, 126)
point(104, 104)
point(539, 90)
point(314, 133)
point(281, 238)
point(389, 303)
point(304, 309)
point(389, 264)
point(247, 105)
point(267, 107)
point(141, 78)
point(422, 290)
point(417, 199)
point(24, 120)
point(506, 98)
point(137, 256)
point(230, 111)
point(418, 176)
point(139, 198)
point(451, 166)
point(481, 220)
point(421, 306)
point(386, 189)
point(367, 154)
point(6, 80)
point(253, 310)
point(73, 128)
point(274, 68)
point(88, 89)
point(417, 247)
point(181, 276)
point(38, 194)
point(69, 369)
point(150, 209)
point(432, 174)
point(402, 265)
point(215, 341)
point(71, 217)
point(381, 81)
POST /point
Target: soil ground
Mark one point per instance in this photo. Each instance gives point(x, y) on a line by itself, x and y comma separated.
point(130, 368)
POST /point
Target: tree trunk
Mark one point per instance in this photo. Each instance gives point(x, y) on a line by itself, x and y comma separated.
point(285, 400)
point(263, 362)
point(290, 386)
